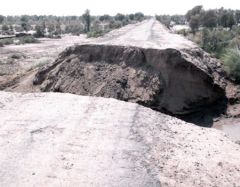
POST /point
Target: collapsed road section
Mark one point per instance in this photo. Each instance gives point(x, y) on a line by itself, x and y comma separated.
point(145, 64)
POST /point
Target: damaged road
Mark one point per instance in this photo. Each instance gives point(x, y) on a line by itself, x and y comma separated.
point(145, 64)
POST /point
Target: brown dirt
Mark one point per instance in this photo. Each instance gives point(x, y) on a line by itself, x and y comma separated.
point(176, 79)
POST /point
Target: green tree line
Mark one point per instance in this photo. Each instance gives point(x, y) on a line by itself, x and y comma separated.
point(56, 25)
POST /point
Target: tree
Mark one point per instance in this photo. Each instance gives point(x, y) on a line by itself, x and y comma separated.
point(227, 18)
point(105, 18)
point(24, 18)
point(51, 27)
point(24, 23)
point(209, 18)
point(194, 11)
point(194, 23)
point(131, 16)
point(87, 20)
point(237, 16)
point(178, 19)
point(114, 24)
point(96, 25)
point(1, 19)
point(40, 31)
point(139, 16)
point(193, 16)
point(11, 28)
point(164, 19)
point(119, 17)
point(231, 20)
point(58, 30)
point(5, 28)
point(205, 39)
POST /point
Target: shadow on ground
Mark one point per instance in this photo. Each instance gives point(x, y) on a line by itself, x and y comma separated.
point(207, 115)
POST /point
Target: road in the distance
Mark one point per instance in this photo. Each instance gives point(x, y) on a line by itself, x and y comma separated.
point(147, 34)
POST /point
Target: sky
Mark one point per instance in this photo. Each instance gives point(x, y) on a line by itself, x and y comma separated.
point(99, 7)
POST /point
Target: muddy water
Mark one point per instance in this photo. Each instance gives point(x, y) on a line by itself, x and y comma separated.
point(231, 126)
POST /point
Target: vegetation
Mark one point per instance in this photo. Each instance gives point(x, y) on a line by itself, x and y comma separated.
point(18, 41)
point(217, 31)
point(215, 40)
point(231, 62)
point(168, 20)
point(1, 19)
point(95, 34)
point(87, 20)
point(27, 39)
point(193, 16)
point(6, 41)
point(54, 26)
point(198, 17)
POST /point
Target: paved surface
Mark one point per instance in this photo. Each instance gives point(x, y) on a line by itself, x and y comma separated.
point(53, 139)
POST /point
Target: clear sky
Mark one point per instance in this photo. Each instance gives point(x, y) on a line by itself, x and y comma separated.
point(98, 7)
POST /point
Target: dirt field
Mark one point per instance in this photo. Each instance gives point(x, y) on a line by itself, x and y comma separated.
point(16, 60)
point(22, 57)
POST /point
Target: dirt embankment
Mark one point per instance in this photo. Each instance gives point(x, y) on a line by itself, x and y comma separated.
point(167, 80)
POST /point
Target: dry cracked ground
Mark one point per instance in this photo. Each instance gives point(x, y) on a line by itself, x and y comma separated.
point(62, 139)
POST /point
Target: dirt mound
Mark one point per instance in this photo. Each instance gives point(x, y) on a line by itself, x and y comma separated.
point(56, 139)
point(169, 80)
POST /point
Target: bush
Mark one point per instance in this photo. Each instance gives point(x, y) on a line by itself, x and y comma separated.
point(6, 41)
point(231, 62)
point(27, 39)
point(235, 43)
point(95, 34)
point(183, 32)
point(53, 36)
point(21, 40)
point(215, 41)
point(17, 56)
point(164, 19)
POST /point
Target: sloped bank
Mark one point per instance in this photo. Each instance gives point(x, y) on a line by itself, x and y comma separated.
point(169, 80)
